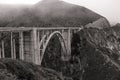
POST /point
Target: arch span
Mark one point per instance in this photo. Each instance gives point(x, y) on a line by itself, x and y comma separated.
point(62, 42)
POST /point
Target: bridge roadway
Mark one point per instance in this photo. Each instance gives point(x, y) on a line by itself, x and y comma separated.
point(30, 43)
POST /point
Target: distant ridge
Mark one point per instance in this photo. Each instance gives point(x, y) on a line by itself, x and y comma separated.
point(48, 13)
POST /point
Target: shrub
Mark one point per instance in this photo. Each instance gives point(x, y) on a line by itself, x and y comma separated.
point(5, 75)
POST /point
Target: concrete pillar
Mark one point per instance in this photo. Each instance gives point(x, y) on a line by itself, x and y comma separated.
point(21, 53)
point(38, 48)
point(67, 38)
point(0, 54)
point(12, 53)
point(34, 46)
point(38, 54)
point(14, 49)
point(3, 50)
point(69, 42)
point(43, 33)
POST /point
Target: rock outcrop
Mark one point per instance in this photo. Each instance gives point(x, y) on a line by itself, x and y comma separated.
point(98, 51)
point(100, 24)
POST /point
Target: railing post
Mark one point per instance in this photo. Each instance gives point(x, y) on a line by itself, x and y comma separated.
point(21, 53)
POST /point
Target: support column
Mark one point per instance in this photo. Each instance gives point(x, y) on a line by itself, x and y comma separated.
point(3, 50)
point(69, 42)
point(0, 54)
point(14, 50)
point(67, 39)
point(34, 45)
point(12, 53)
point(38, 48)
point(21, 50)
point(43, 33)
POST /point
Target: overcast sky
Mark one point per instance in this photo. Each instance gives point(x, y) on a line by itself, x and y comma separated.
point(108, 8)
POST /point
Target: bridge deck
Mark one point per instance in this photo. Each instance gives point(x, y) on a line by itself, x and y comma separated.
point(16, 29)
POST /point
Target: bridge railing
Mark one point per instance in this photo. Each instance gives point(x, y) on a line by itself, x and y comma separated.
point(31, 28)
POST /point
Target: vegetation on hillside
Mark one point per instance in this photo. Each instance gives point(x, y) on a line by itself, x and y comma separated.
point(19, 70)
point(95, 56)
point(95, 52)
point(46, 14)
point(98, 51)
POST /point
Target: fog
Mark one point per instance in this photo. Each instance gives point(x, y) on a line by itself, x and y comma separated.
point(107, 8)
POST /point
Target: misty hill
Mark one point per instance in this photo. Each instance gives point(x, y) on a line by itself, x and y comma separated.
point(47, 13)
point(10, 12)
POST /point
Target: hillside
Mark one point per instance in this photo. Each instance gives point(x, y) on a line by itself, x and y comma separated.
point(95, 56)
point(98, 51)
point(46, 13)
point(19, 70)
point(95, 48)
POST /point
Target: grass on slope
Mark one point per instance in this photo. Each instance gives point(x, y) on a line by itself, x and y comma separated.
point(15, 69)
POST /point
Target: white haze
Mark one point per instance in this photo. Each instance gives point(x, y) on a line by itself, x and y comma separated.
point(107, 8)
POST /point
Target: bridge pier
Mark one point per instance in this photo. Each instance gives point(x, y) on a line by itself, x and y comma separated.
point(67, 38)
point(21, 50)
point(14, 49)
point(69, 42)
point(12, 54)
point(35, 46)
point(13, 46)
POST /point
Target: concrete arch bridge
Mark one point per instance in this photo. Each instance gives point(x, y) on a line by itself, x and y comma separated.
point(30, 43)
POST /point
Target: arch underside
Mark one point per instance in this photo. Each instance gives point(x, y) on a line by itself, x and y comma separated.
point(54, 51)
point(61, 40)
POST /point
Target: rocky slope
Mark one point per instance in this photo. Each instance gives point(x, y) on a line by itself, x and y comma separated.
point(98, 51)
point(100, 24)
point(95, 56)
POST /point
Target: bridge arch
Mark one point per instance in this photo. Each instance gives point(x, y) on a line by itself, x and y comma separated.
point(62, 42)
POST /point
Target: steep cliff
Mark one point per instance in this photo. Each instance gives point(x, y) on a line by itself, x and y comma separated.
point(95, 56)
point(98, 51)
